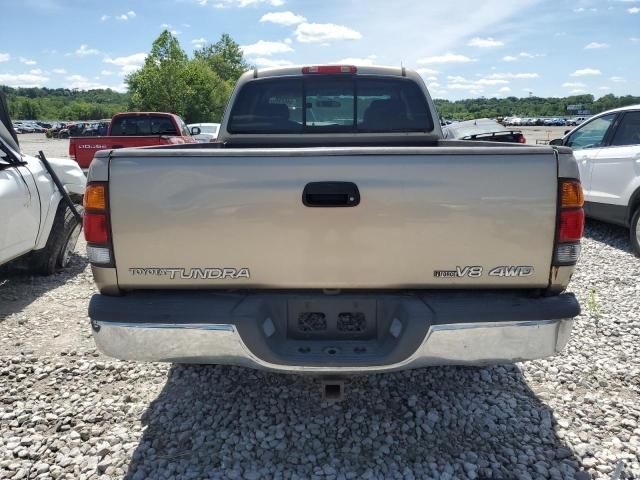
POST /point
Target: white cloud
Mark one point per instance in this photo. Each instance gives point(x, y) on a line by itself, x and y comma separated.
point(596, 45)
point(127, 64)
point(357, 61)
point(578, 10)
point(446, 58)
point(427, 71)
point(84, 50)
point(512, 58)
point(134, 59)
point(239, 3)
point(59, 71)
point(605, 89)
point(586, 72)
point(104, 18)
point(264, 48)
point(283, 18)
point(577, 91)
point(504, 90)
point(513, 75)
point(106, 73)
point(633, 10)
point(324, 32)
point(573, 85)
point(4, 57)
point(23, 79)
point(484, 42)
point(81, 82)
point(530, 55)
point(36, 71)
point(198, 42)
point(270, 62)
point(618, 79)
point(127, 16)
point(27, 61)
point(634, 40)
point(492, 81)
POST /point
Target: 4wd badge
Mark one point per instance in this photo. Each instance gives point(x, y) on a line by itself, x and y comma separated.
point(476, 271)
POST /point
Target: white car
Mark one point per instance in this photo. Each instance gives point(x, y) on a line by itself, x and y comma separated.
point(36, 222)
point(607, 148)
point(204, 132)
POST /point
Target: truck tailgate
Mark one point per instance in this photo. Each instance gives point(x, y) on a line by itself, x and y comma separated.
point(428, 217)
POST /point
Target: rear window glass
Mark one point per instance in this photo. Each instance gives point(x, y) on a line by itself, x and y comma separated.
point(330, 104)
point(143, 125)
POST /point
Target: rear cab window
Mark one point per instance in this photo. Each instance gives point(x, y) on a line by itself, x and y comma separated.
point(330, 104)
point(136, 125)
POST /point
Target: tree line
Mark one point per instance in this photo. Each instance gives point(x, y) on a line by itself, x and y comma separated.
point(472, 108)
point(198, 87)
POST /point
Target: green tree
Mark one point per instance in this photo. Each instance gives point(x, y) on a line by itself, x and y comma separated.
point(170, 82)
point(225, 58)
point(27, 109)
point(161, 83)
point(206, 93)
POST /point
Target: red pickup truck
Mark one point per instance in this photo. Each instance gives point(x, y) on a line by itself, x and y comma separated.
point(132, 129)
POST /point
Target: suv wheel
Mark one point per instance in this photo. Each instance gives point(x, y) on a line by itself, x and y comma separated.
point(635, 231)
point(64, 234)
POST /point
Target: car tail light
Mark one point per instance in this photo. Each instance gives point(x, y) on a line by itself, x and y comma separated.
point(571, 195)
point(570, 222)
point(329, 69)
point(96, 224)
point(522, 139)
point(571, 225)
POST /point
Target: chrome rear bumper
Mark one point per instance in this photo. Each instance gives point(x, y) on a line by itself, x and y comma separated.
point(442, 342)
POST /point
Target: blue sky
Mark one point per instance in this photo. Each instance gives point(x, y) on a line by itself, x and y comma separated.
point(463, 48)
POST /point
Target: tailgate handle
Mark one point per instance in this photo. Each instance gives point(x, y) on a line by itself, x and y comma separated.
point(331, 194)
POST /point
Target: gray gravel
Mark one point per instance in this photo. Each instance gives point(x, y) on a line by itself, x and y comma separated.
point(66, 411)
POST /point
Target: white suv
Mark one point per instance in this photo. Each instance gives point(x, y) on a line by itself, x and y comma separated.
point(607, 148)
point(36, 224)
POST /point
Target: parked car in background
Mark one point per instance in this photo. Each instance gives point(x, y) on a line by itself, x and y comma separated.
point(35, 222)
point(132, 129)
point(607, 148)
point(204, 132)
point(483, 129)
point(577, 121)
point(24, 127)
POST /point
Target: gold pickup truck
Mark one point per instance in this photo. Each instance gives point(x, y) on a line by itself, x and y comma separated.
point(331, 229)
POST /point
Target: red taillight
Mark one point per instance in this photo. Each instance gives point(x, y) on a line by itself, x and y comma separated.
point(329, 69)
point(522, 139)
point(96, 228)
point(571, 225)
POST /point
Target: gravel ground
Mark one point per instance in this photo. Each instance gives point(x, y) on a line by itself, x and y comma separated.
point(66, 411)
